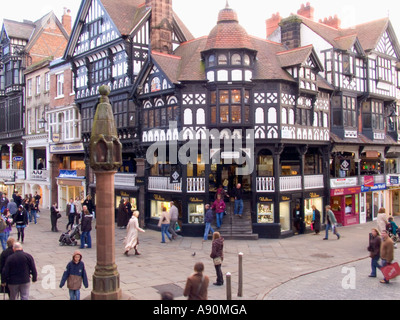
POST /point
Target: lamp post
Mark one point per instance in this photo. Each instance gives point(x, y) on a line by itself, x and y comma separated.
point(105, 159)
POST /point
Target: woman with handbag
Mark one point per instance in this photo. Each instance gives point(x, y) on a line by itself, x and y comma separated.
point(217, 254)
point(219, 207)
point(165, 220)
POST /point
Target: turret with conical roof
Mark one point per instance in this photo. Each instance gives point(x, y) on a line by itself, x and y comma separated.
point(228, 33)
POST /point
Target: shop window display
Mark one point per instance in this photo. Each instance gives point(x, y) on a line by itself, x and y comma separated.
point(133, 202)
point(196, 213)
point(308, 211)
point(284, 215)
point(265, 212)
point(156, 208)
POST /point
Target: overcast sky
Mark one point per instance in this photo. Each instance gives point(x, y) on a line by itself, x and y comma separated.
point(201, 16)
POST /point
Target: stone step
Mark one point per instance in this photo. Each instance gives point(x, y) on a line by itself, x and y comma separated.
point(237, 228)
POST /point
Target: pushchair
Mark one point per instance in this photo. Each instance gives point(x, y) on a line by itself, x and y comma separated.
point(394, 236)
point(70, 237)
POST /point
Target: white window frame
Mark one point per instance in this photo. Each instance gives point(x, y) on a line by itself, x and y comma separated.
point(60, 85)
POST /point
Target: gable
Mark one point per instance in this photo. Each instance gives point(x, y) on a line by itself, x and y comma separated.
point(385, 45)
point(156, 81)
point(97, 29)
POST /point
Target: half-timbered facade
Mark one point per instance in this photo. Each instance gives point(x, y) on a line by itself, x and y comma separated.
point(23, 45)
point(361, 64)
point(110, 45)
point(230, 108)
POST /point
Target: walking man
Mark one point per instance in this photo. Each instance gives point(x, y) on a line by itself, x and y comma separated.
point(70, 211)
point(330, 222)
point(174, 219)
point(17, 272)
point(238, 195)
point(208, 219)
point(387, 251)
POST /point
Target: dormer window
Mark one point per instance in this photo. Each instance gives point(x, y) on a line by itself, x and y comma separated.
point(211, 61)
point(236, 59)
point(222, 59)
point(246, 60)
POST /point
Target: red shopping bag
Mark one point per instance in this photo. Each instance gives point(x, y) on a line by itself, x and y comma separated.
point(391, 271)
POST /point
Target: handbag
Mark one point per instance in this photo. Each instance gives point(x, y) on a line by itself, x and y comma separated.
point(217, 261)
point(391, 271)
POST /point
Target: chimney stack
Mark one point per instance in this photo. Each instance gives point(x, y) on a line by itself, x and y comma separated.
point(273, 23)
point(161, 25)
point(306, 11)
point(334, 22)
point(67, 20)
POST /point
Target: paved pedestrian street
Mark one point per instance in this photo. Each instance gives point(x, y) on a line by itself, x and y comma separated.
point(299, 267)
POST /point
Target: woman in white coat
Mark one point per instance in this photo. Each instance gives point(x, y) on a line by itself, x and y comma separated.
point(132, 237)
point(382, 220)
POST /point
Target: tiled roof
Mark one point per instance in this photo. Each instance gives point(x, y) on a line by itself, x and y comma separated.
point(228, 33)
point(368, 33)
point(125, 13)
point(20, 30)
point(170, 64)
point(295, 56)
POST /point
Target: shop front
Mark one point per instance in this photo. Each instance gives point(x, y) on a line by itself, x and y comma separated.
point(393, 194)
point(126, 196)
point(372, 198)
point(345, 203)
point(71, 185)
point(312, 199)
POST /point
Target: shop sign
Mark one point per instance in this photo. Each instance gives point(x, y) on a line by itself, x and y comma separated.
point(17, 159)
point(394, 180)
point(369, 181)
point(68, 174)
point(344, 182)
point(67, 147)
point(158, 197)
point(195, 199)
point(313, 195)
point(376, 187)
point(265, 199)
point(175, 176)
point(286, 198)
point(345, 165)
point(345, 191)
point(140, 181)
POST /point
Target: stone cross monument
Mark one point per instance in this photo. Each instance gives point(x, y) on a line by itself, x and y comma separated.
point(105, 159)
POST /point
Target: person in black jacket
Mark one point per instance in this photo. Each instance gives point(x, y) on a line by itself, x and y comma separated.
point(17, 273)
point(208, 219)
point(86, 227)
point(21, 220)
point(217, 254)
point(3, 259)
point(54, 215)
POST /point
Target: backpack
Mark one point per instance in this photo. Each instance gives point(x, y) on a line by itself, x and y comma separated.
point(3, 225)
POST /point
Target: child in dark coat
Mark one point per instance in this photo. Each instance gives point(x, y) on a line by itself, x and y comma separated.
point(74, 275)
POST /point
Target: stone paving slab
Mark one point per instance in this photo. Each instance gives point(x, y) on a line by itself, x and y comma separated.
point(267, 263)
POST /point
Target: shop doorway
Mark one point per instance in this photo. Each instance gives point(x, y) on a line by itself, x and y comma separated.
point(226, 175)
point(368, 206)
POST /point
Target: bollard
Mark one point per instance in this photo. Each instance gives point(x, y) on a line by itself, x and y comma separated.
point(228, 286)
point(240, 287)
